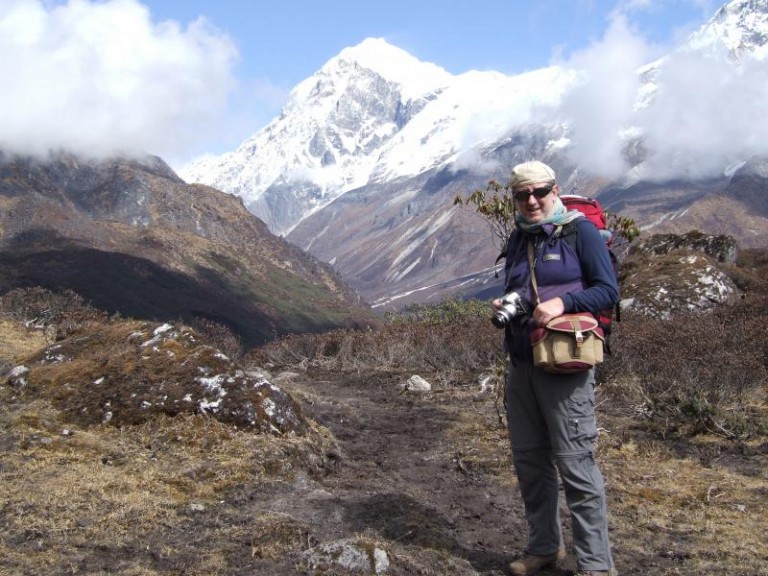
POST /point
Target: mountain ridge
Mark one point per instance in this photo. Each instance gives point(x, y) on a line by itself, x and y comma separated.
point(401, 162)
point(336, 133)
point(131, 237)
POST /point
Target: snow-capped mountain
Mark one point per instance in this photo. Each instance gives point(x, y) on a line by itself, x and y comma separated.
point(696, 107)
point(741, 27)
point(362, 165)
point(371, 114)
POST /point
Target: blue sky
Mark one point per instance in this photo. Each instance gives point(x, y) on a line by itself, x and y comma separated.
point(282, 42)
point(285, 41)
point(155, 75)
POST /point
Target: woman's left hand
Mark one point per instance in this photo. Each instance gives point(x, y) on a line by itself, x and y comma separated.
point(548, 310)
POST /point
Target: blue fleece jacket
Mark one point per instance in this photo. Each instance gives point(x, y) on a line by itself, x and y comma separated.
point(574, 265)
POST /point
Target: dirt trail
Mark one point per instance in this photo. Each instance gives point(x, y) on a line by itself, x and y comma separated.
point(407, 475)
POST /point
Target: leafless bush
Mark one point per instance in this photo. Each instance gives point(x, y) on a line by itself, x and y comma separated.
point(697, 372)
point(219, 336)
point(750, 272)
point(465, 344)
point(61, 314)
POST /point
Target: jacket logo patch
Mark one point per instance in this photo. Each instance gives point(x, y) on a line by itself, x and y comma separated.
point(546, 257)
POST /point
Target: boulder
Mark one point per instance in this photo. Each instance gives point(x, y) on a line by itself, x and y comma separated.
point(663, 286)
point(416, 384)
point(351, 555)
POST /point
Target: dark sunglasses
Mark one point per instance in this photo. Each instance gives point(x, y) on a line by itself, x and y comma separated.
point(541, 192)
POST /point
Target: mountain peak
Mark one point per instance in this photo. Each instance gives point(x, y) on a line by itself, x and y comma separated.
point(741, 26)
point(393, 64)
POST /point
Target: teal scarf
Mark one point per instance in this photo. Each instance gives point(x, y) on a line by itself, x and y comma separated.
point(558, 216)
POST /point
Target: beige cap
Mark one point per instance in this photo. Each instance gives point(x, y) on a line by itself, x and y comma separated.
point(533, 172)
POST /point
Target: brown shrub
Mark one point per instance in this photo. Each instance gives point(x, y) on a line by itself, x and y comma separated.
point(466, 344)
point(219, 336)
point(695, 373)
point(750, 272)
point(59, 314)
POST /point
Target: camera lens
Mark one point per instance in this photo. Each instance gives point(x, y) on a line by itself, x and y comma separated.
point(500, 319)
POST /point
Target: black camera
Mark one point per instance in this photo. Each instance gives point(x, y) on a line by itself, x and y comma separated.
point(512, 306)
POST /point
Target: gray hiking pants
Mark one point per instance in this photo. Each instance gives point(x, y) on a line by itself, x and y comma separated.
point(551, 419)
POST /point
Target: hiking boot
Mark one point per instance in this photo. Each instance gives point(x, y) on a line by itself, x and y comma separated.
point(530, 564)
point(611, 572)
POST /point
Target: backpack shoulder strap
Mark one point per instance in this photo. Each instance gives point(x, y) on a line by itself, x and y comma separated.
point(568, 233)
point(514, 237)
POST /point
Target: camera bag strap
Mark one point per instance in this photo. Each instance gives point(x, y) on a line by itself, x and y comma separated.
point(532, 270)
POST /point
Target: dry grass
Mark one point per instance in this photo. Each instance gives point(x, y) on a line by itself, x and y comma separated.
point(19, 342)
point(68, 492)
point(77, 498)
point(702, 510)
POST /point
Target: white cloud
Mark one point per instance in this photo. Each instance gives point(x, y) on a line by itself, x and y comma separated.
point(600, 107)
point(101, 78)
point(707, 113)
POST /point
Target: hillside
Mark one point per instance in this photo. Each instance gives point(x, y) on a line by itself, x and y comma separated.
point(371, 478)
point(132, 238)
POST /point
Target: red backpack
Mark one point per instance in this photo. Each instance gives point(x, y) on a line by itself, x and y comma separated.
point(594, 212)
point(592, 209)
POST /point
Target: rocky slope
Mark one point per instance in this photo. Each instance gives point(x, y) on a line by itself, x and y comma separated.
point(131, 237)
